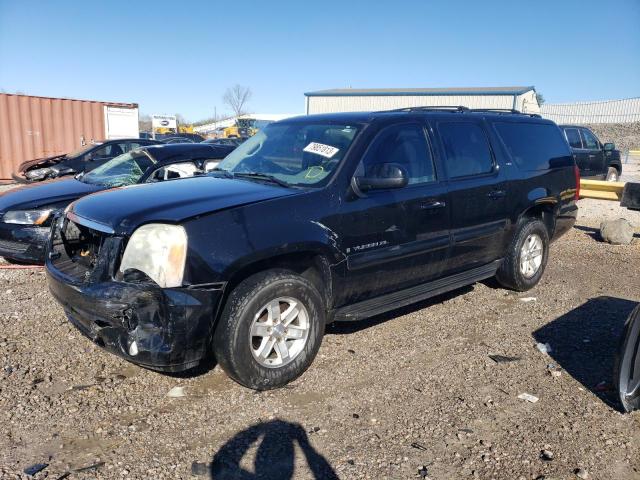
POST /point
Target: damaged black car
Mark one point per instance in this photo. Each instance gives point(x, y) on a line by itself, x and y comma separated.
point(82, 160)
point(312, 220)
point(26, 212)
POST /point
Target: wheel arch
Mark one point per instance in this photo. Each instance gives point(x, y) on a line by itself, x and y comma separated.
point(544, 211)
point(312, 265)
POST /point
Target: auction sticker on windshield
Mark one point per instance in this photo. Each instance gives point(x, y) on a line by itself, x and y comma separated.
point(326, 151)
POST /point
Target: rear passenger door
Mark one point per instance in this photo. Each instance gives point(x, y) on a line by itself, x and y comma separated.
point(579, 153)
point(594, 153)
point(477, 193)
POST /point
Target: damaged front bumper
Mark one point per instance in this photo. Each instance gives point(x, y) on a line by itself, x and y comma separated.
point(160, 329)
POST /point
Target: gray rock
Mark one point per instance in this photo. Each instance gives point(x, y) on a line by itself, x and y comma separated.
point(616, 232)
point(581, 473)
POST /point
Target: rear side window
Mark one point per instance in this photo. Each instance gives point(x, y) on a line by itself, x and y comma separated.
point(535, 146)
point(467, 149)
point(573, 137)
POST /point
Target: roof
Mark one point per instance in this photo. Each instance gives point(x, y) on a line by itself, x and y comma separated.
point(357, 92)
point(348, 118)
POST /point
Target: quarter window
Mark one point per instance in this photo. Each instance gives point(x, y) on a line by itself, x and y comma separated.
point(573, 137)
point(535, 146)
point(405, 145)
point(467, 149)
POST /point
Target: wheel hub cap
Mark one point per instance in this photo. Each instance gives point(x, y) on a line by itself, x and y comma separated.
point(279, 332)
point(531, 255)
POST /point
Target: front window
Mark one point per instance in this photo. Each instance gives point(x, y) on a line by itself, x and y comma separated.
point(126, 169)
point(590, 141)
point(298, 154)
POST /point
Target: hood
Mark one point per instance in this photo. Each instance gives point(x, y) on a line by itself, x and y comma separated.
point(122, 210)
point(45, 193)
point(44, 162)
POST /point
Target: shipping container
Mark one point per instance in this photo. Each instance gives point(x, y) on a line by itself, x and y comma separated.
point(38, 127)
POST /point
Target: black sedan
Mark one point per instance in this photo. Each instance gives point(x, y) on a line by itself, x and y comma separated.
point(26, 212)
point(84, 159)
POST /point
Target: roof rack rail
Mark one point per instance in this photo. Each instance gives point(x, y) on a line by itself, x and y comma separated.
point(461, 109)
point(512, 111)
point(450, 108)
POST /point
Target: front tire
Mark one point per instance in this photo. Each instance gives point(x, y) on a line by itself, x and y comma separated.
point(612, 175)
point(270, 330)
point(526, 259)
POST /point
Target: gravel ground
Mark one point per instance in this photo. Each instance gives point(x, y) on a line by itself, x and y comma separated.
point(411, 394)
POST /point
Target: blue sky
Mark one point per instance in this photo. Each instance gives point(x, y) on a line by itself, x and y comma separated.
point(179, 57)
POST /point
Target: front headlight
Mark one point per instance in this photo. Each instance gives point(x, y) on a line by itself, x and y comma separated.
point(27, 217)
point(159, 251)
point(38, 173)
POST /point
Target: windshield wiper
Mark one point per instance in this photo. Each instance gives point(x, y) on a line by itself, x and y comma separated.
point(262, 176)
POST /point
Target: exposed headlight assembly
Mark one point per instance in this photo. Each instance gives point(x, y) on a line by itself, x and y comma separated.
point(38, 173)
point(159, 251)
point(27, 217)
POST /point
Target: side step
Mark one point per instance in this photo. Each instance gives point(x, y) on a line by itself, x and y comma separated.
point(391, 301)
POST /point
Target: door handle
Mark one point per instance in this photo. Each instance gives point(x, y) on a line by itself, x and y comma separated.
point(432, 204)
point(495, 194)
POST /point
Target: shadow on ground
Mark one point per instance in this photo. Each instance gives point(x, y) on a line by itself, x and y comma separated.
point(585, 343)
point(275, 455)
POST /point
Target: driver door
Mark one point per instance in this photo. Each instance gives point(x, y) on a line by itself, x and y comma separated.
point(399, 237)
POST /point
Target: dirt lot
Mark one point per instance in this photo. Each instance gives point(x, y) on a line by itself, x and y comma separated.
point(385, 398)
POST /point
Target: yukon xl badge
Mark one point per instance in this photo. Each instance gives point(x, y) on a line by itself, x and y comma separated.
point(366, 246)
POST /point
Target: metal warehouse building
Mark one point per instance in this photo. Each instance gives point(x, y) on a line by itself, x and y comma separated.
point(359, 100)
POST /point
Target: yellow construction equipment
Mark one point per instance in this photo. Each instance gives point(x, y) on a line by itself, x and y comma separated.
point(243, 128)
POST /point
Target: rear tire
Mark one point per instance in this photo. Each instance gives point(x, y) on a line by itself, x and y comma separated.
point(526, 258)
point(270, 330)
point(612, 175)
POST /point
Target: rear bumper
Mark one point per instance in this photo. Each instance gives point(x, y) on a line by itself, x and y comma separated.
point(24, 243)
point(171, 328)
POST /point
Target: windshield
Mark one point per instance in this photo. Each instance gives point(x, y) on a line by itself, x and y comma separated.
point(123, 170)
point(82, 150)
point(299, 154)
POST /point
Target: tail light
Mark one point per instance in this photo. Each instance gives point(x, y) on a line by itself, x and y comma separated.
point(576, 170)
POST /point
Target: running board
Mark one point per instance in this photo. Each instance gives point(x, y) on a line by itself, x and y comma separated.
point(391, 301)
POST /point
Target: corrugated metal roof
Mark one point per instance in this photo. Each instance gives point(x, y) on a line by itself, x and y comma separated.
point(348, 92)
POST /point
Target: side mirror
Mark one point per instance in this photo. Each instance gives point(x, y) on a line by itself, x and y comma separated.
point(383, 176)
point(609, 146)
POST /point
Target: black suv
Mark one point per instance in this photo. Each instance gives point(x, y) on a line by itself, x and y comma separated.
point(312, 220)
point(595, 160)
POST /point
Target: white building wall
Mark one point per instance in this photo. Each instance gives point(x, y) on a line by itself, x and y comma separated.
point(609, 111)
point(329, 104)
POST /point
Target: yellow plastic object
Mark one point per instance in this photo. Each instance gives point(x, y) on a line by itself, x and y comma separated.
point(601, 190)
